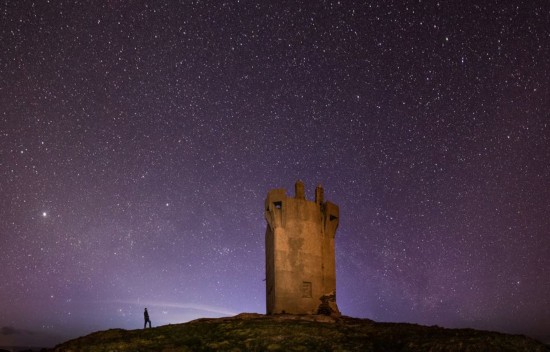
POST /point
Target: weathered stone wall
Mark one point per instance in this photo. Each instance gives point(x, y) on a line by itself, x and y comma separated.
point(300, 264)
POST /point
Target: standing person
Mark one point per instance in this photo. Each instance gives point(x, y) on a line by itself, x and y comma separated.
point(146, 317)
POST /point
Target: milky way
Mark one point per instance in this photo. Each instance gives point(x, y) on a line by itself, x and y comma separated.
point(138, 142)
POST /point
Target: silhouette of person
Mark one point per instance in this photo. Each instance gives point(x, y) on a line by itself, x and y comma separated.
point(146, 317)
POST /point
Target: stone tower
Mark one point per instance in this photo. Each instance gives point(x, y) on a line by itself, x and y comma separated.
point(299, 243)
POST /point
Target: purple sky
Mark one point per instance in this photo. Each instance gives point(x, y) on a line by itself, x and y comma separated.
point(138, 142)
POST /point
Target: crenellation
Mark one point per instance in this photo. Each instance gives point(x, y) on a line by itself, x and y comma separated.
point(319, 195)
point(299, 190)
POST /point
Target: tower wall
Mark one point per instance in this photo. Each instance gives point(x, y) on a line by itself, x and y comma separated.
point(300, 263)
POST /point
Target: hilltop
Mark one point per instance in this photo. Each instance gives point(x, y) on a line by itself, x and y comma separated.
point(256, 332)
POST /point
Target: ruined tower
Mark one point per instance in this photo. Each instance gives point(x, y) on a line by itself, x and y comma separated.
point(299, 243)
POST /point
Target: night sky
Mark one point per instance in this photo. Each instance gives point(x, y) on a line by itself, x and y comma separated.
point(138, 142)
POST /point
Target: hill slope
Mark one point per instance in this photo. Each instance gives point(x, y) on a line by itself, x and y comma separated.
point(256, 332)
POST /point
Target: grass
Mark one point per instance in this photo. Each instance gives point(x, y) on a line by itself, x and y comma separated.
point(254, 332)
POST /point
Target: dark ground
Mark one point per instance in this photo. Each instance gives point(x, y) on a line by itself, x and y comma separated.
point(256, 332)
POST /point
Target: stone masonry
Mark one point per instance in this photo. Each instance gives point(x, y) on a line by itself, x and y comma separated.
point(299, 243)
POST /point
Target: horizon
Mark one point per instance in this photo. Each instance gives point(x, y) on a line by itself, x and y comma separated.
point(37, 347)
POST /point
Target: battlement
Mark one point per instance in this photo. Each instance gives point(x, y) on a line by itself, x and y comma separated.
point(300, 263)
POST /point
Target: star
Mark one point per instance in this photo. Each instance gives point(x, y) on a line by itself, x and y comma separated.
point(138, 142)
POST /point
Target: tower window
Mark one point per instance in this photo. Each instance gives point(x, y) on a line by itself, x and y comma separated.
point(306, 289)
point(278, 205)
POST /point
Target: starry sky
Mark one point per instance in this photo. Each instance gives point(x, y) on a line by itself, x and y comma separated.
point(138, 141)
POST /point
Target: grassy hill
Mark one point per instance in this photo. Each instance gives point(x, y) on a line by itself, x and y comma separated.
point(256, 332)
